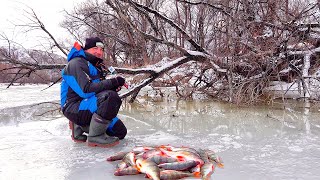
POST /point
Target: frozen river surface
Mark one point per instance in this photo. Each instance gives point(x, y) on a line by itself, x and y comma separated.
point(254, 143)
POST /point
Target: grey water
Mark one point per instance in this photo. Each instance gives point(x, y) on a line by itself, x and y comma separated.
point(265, 142)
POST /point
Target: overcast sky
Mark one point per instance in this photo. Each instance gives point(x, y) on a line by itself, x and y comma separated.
point(49, 12)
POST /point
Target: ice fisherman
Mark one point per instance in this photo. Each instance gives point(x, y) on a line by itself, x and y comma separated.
point(88, 100)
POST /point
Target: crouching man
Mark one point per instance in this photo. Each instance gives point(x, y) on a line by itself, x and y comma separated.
point(88, 100)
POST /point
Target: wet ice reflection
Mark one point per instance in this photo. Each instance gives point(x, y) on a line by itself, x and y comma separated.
point(257, 142)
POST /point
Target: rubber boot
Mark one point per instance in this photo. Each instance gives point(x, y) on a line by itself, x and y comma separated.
point(97, 133)
point(77, 133)
point(85, 129)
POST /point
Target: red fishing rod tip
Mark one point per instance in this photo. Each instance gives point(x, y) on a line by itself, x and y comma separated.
point(126, 85)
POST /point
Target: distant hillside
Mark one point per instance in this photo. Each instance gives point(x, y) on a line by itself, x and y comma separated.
point(7, 72)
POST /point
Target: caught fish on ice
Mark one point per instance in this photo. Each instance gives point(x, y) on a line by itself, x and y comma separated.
point(167, 162)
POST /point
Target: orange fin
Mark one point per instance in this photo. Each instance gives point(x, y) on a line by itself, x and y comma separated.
point(220, 165)
point(148, 176)
point(197, 174)
point(180, 158)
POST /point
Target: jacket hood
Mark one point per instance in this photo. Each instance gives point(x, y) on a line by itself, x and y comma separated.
point(76, 51)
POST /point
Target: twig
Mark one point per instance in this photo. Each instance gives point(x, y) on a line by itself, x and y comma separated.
point(52, 84)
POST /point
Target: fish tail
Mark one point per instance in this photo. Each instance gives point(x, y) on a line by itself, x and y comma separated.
point(162, 153)
point(220, 165)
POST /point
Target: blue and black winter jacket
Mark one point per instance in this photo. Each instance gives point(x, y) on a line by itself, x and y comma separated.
point(81, 81)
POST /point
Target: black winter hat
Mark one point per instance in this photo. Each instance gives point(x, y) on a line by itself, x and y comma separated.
point(91, 42)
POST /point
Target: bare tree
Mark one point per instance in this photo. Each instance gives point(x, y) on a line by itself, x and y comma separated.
point(229, 50)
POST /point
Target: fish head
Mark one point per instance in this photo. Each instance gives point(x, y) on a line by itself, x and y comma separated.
point(132, 157)
point(122, 165)
point(139, 164)
point(117, 173)
point(142, 164)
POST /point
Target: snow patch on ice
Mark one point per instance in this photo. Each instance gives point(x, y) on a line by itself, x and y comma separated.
point(213, 134)
point(58, 127)
point(221, 127)
point(137, 120)
point(160, 137)
point(226, 139)
point(295, 148)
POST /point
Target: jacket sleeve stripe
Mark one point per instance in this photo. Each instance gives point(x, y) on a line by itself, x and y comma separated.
point(73, 84)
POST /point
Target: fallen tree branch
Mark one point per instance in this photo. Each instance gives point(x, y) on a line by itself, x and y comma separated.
point(159, 71)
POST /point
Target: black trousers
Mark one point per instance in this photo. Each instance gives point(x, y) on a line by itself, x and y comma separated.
point(108, 104)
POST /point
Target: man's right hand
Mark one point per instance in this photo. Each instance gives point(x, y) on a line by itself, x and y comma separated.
point(117, 83)
point(120, 80)
point(118, 89)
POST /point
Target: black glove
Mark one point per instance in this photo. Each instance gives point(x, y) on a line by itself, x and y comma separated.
point(117, 82)
point(120, 80)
